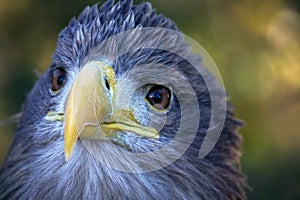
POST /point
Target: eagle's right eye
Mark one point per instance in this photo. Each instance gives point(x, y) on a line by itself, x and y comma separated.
point(58, 79)
point(159, 97)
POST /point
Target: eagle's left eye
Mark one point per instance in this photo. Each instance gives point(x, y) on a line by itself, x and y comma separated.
point(58, 79)
point(159, 97)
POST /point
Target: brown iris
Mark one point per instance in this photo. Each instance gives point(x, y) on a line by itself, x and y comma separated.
point(159, 97)
point(58, 79)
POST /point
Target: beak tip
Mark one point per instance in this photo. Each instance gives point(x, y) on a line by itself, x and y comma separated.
point(68, 152)
point(67, 156)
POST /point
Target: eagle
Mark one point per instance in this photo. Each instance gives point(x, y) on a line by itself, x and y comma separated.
point(124, 111)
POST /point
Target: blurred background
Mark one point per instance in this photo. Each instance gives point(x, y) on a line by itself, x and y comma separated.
point(255, 44)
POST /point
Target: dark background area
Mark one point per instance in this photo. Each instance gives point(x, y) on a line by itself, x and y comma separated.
point(255, 45)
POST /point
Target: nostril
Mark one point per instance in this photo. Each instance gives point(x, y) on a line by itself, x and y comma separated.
point(107, 84)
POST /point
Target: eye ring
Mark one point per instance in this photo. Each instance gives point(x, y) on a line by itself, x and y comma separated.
point(159, 97)
point(58, 79)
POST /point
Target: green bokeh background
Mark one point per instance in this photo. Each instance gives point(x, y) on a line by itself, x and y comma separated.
point(255, 44)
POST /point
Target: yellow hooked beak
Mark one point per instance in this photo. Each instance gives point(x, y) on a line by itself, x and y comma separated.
point(90, 112)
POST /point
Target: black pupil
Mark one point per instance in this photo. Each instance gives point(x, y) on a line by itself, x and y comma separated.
point(156, 96)
point(61, 80)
